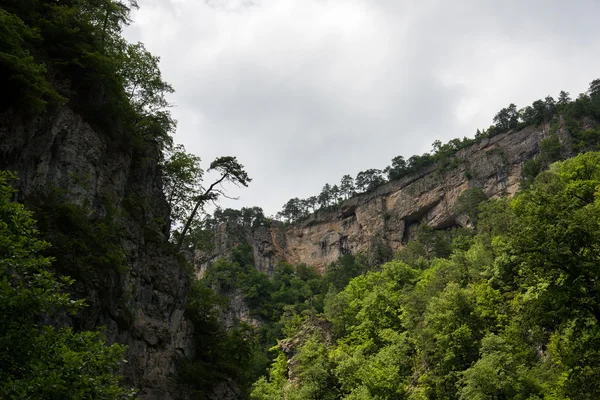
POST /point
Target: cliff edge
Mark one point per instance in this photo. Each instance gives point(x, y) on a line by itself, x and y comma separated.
point(390, 215)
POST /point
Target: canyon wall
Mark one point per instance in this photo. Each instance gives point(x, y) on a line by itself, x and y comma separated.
point(96, 178)
point(389, 215)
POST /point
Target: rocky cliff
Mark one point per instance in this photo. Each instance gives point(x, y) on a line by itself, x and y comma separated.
point(108, 222)
point(390, 215)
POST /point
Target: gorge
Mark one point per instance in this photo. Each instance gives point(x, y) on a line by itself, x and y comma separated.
point(473, 275)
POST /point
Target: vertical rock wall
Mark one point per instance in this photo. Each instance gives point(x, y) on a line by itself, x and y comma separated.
point(141, 304)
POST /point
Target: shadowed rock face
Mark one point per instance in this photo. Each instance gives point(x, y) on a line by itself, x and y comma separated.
point(392, 212)
point(141, 305)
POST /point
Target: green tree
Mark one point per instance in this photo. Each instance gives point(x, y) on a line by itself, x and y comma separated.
point(21, 75)
point(253, 217)
point(563, 98)
point(452, 331)
point(181, 182)
point(336, 194)
point(417, 162)
point(230, 170)
point(428, 243)
point(347, 186)
point(468, 203)
point(495, 218)
point(325, 196)
point(147, 93)
point(107, 17)
point(311, 203)
point(143, 82)
point(507, 118)
point(550, 108)
point(293, 210)
point(500, 373)
point(38, 360)
point(594, 87)
point(220, 353)
point(314, 371)
point(555, 240)
point(397, 169)
point(340, 272)
point(369, 180)
point(274, 387)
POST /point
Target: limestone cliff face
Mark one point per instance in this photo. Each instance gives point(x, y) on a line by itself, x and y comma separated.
point(141, 305)
point(391, 214)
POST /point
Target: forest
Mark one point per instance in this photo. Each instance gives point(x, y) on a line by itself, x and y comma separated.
point(496, 311)
point(507, 309)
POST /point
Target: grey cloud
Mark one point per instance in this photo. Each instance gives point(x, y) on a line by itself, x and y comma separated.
point(304, 92)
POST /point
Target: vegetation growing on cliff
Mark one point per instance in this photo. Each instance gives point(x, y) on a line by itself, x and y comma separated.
point(71, 54)
point(512, 312)
point(278, 302)
point(40, 361)
point(509, 313)
point(319, 303)
point(576, 114)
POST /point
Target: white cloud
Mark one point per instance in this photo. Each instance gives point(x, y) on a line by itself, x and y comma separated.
point(305, 91)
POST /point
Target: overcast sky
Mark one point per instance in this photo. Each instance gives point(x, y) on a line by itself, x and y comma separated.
point(305, 91)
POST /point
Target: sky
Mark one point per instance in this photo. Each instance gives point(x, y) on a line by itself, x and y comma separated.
point(303, 92)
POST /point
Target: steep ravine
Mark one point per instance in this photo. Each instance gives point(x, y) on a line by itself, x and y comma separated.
point(141, 301)
point(65, 164)
point(390, 215)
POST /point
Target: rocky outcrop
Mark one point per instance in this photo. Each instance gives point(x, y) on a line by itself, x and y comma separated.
point(390, 214)
point(237, 311)
point(313, 327)
point(142, 303)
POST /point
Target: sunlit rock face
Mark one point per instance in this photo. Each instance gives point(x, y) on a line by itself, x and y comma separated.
point(390, 214)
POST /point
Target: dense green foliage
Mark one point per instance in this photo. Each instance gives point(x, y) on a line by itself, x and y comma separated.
point(510, 311)
point(72, 52)
point(82, 246)
point(279, 302)
point(39, 361)
point(221, 353)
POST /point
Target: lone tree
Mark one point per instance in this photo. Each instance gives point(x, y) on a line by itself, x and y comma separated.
point(181, 182)
point(325, 196)
point(230, 170)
